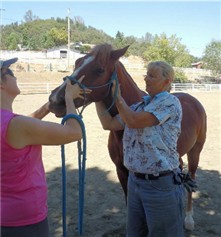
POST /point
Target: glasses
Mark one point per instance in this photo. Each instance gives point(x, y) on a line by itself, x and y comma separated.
point(149, 77)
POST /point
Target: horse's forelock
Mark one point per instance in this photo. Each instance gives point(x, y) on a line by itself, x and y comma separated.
point(102, 53)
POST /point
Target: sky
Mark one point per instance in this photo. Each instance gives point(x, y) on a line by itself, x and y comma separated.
point(196, 23)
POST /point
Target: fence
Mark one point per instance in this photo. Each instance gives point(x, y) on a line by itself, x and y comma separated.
point(195, 87)
point(37, 88)
point(46, 88)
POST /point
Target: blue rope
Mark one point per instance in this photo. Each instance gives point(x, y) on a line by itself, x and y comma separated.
point(81, 175)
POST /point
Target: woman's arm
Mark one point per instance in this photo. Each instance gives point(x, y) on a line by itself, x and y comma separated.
point(132, 118)
point(135, 119)
point(25, 130)
point(41, 112)
point(107, 121)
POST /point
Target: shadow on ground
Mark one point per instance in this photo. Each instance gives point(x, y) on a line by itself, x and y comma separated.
point(207, 205)
point(104, 204)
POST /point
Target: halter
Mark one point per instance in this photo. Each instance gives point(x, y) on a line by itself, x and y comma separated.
point(73, 80)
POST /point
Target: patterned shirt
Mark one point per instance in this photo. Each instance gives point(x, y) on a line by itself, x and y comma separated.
point(151, 150)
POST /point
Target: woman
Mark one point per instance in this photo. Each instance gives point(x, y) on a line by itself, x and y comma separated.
point(155, 204)
point(23, 182)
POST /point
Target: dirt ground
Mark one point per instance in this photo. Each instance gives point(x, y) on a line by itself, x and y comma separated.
point(104, 205)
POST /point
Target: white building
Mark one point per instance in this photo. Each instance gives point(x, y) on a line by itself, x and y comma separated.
point(62, 52)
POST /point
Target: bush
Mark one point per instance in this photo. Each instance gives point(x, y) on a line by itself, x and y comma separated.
point(180, 77)
point(84, 49)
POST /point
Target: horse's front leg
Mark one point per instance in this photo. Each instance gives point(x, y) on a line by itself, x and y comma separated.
point(115, 148)
point(122, 174)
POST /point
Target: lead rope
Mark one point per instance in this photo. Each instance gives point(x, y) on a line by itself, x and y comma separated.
point(81, 176)
point(114, 78)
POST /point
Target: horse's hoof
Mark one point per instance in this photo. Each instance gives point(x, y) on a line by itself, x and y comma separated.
point(189, 223)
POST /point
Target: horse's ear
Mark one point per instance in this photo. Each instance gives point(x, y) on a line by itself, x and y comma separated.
point(116, 54)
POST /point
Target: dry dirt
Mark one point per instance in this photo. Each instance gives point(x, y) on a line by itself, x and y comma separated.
point(105, 211)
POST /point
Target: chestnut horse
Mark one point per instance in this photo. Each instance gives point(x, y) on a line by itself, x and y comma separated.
point(100, 67)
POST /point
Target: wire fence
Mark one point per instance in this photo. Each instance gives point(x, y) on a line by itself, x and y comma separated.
point(37, 88)
point(46, 88)
point(195, 87)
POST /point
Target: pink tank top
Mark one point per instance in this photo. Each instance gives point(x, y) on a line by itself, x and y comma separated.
point(23, 181)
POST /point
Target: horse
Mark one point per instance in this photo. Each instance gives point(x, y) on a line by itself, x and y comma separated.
point(100, 67)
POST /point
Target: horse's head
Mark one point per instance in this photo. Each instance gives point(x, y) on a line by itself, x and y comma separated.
point(98, 67)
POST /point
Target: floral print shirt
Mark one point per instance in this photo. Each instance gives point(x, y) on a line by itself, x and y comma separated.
point(151, 150)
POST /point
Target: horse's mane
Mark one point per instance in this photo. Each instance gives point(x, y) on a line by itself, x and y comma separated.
point(125, 76)
point(102, 52)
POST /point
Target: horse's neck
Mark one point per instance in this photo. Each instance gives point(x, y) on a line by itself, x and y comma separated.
point(129, 89)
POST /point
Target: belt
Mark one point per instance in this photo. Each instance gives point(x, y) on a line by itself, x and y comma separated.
point(151, 176)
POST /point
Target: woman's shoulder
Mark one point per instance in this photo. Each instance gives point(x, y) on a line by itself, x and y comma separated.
point(21, 121)
point(6, 117)
point(172, 97)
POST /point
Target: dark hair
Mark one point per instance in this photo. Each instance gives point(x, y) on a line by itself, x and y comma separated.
point(6, 71)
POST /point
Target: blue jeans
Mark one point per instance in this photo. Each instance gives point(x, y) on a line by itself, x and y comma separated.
point(155, 208)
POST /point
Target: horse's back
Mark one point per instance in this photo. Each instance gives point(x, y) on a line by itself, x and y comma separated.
point(194, 123)
point(192, 108)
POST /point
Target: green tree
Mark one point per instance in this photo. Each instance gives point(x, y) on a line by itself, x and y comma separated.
point(180, 76)
point(6, 32)
point(25, 37)
point(47, 41)
point(12, 41)
point(212, 57)
point(167, 49)
point(119, 40)
point(85, 49)
point(59, 36)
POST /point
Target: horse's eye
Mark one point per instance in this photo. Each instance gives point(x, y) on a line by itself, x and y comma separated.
point(100, 70)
